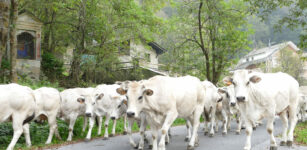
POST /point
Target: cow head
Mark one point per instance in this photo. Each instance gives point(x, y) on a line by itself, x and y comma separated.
point(118, 106)
point(242, 80)
point(212, 93)
point(137, 95)
point(228, 95)
point(89, 103)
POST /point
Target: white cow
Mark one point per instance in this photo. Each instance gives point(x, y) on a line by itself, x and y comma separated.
point(141, 120)
point(48, 102)
point(263, 95)
point(302, 108)
point(212, 97)
point(230, 107)
point(163, 99)
point(77, 102)
point(18, 106)
point(107, 102)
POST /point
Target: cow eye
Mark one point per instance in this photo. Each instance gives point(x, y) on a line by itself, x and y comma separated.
point(119, 106)
point(94, 103)
point(247, 83)
point(140, 97)
point(234, 84)
point(127, 97)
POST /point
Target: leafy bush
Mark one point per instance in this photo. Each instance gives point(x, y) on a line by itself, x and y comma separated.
point(51, 66)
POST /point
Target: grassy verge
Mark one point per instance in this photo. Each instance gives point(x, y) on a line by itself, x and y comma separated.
point(300, 133)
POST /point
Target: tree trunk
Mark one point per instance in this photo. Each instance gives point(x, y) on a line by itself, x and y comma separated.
point(13, 40)
point(4, 24)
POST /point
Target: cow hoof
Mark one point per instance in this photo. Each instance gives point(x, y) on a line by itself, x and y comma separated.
point(282, 143)
point(111, 135)
point(137, 146)
point(125, 133)
point(87, 140)
point(242, 127)
point(238, 133)
point(187, 139)
point(211, 135)
point(289, 143)
point(140, 148)
point(206, 133)
point(273, 147)
point(166, 143)
point(224, 133)
point(254, 128)
point(196, 145)
point(190, 147)
point(150, 147)
point(105, 138)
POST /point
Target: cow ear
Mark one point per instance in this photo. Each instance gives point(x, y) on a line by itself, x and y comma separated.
point(148, 92)
point(227, 81)
point(255, 79)
point(121, 91)
point(222, 91)
point(100, 96)
point(125, 102)
point(81, 100)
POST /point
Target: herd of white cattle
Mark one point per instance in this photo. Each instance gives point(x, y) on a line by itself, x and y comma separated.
point(248, 96)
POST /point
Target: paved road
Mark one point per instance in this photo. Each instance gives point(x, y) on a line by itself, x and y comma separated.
point(260, 141)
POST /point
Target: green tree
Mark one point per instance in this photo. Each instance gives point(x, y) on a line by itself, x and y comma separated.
point(211, 34)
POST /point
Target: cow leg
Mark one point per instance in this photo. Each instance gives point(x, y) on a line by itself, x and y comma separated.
point(212, 123)
point(17, 126)
point(99, 125)
point(239, 125)
point(249, 131)
point(113, 128)
point(26, 133)
point(228, 122)
point(52, 126)
point(293, 121)
point(225, 120)
point(170, 118)
point(91, 125)
point(284, 118)
point(194, 139)
point(72, 122)
point(106, 124)
point(125, 124)
point(154, 138)
point(142, 134)
point(131, 141)
point(270, 129)
point(84, 123)
point(189, 126)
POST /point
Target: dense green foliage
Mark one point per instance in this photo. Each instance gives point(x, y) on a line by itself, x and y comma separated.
point(300, 133)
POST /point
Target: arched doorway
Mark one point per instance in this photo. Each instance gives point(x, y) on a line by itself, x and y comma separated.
point(26, 46)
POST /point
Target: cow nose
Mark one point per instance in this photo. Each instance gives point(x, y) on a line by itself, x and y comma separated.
point(113, 118)
point(88, 114)
point(233, 104)
point(241, 99)
point(130, 114)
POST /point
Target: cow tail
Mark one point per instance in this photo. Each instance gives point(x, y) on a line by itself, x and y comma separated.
point(29, 119)
point(96, 120)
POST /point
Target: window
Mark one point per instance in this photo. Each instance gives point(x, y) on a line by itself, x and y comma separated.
point(246, 59)
point(147, 57)
point(124, 48)
point(25, 46)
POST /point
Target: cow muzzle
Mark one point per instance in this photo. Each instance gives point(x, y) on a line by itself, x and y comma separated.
point(113, 118)
point(240, 98)
point(130, 114)
point(232, 104)
point(88, 114)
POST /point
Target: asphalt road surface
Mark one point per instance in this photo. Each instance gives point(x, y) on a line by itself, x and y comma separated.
point(231, 141)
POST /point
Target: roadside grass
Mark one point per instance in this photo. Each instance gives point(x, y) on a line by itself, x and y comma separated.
point(39, 133)
point(300, 133)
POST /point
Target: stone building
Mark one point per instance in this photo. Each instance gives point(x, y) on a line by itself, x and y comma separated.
point(29, 45)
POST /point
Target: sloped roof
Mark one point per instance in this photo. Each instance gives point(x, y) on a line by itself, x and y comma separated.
point(159, 50)
point(269, 51)
point(272, 49)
